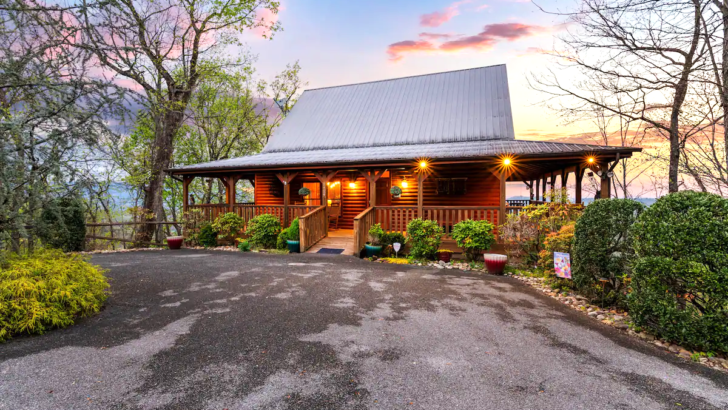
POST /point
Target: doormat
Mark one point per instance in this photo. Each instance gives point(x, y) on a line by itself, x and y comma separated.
point(330, 251)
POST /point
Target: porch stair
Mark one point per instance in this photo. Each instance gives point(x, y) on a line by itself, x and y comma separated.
point(337, 239)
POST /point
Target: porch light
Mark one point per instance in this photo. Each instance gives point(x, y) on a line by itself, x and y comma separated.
point(590, 160)
point(506, 161)
point(404, 184)
point(352, 184)
point(423, 164)
point(328, 202)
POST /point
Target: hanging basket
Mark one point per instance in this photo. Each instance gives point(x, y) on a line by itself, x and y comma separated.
point(395, 191)
point(304, 191)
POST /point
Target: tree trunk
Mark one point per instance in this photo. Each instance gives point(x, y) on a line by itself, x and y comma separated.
point(161, 160)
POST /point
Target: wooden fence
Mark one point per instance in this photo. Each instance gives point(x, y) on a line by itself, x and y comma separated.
point(122, 233)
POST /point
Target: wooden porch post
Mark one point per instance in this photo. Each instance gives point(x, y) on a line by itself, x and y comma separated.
point(186, 193)
point(552, 182)
point(372, 176)
point(230, 192)
point(537, 182)
point(502, 209)
point(420, 200)
point(530, 190)
point(606, 186)
point(579, 174)
point(286, 180)
point(324, 178)
point(543, 188)
point(564, 178)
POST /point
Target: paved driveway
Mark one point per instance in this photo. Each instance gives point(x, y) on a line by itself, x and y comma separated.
point(218, 330)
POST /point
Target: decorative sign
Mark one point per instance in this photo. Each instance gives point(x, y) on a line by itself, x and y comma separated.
point(397, 246)
point(562, 265)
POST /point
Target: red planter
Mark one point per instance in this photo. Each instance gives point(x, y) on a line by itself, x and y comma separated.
point(175, 242)
point(444, 256)
point(495, 263)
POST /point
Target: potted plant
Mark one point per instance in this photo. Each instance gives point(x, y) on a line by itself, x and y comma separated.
point(374, 246)
point(444, 255)
point(304, 191)
point(175, 242)
point(292, 236)
point(395, 191)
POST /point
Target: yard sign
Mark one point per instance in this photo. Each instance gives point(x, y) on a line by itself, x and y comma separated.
point(562, 265)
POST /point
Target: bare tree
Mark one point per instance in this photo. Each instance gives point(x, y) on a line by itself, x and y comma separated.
point(638, 54)
point(162, 49)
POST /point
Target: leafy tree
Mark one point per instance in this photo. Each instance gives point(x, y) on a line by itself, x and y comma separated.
point(62, 225)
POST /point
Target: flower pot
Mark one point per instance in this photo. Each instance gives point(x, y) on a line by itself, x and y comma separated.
point(444, 256)
point(175, 242)
point(373, 250)
point(495, 263)
point(294, 246)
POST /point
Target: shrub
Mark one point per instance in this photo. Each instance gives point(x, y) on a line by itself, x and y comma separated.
point(228, 226)
point(387, 239)
point(375, 234)
point(47, 289)
point(603, 248)
point(473, 236)
point(424, 238)
point(193, 223)
point(561, 241)
point(680, 276)
point(62, 225)
point(244, 246)
point(292, 233)
point(263, 231)
point(207, 236)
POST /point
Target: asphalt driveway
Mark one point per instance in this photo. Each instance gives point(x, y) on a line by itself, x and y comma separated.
point(219, 330)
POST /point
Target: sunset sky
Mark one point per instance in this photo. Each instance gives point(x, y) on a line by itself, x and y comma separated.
point(342, 42)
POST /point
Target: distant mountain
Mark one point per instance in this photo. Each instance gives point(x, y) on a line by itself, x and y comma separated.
point(645, 201)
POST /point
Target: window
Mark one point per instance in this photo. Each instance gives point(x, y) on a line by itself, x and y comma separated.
point(315, 197)
point(451, 186)
point(443, 186)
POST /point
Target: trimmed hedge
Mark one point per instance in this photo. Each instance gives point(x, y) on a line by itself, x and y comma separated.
point(473, 236)
point(603, 248)
point(228, 226)
point(424, 237)
point(680, 276)
point(263, 231)
point(47, 289)
point(62, 225)
point(207, 236)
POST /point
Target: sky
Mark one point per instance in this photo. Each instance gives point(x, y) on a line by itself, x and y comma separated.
point(351, 41)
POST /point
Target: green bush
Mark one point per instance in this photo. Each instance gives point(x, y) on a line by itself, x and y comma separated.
point(228, 226)
point(292, 233)
point(47, 289)
point(62, 225)
point(388, 238)
point(244, 246)
point(603, 248)
point(263, 231)
point(473, 236)
point(375, 234)
point(424, 237)
point(680, 276)
point(207, 236)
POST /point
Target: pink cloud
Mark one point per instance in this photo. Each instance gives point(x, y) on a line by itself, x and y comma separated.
point(396, 50)
point(482, 7)
point(491, 35)
point(438, 18)
point(265, 19)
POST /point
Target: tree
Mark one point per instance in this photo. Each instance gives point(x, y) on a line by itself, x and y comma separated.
point(159, 48)
point(51, 114)
point(635, 53)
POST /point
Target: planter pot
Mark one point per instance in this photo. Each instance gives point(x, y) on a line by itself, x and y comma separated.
point(495, 263)
point(444, 256)
point(175, 242)
point(294, 246)
point(373, 250)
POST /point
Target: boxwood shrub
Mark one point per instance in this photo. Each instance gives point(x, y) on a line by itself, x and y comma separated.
point(263, 231)
point(292, 233)
point(473, 236)
point(47, 289)
point(603, 248)
point(680, 276)
point(207, 236)
point(424, 237)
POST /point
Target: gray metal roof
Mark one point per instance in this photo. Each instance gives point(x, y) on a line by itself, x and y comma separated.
point(452, 150)
point(456, 106)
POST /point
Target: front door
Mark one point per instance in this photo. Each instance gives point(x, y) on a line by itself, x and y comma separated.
point(384, 198)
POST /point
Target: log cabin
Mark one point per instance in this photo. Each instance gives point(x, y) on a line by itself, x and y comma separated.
point(446, 140)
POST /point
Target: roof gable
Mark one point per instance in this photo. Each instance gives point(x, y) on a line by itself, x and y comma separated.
point(456, 106)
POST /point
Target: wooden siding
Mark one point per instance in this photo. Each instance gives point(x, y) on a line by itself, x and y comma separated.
point(483, 187)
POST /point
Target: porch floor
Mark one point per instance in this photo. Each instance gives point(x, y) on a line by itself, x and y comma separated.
point(337, 239)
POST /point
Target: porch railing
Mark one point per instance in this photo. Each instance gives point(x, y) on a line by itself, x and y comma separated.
point(448, 216)
point(313, 227)
point(249, 211)
point(362, 223)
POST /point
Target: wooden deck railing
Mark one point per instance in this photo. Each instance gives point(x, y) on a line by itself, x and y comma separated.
point(394, 218)
point(448, 216)
point(362, 223)
point(249, 211)
point(313, 227)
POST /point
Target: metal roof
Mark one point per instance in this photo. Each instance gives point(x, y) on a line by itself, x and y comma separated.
point(451, 150)
point(456, 106)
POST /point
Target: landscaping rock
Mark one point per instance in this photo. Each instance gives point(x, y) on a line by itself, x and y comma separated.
point(601, 317)
point(592, 314)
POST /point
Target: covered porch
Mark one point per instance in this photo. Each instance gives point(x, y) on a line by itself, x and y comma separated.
point(350, 199)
